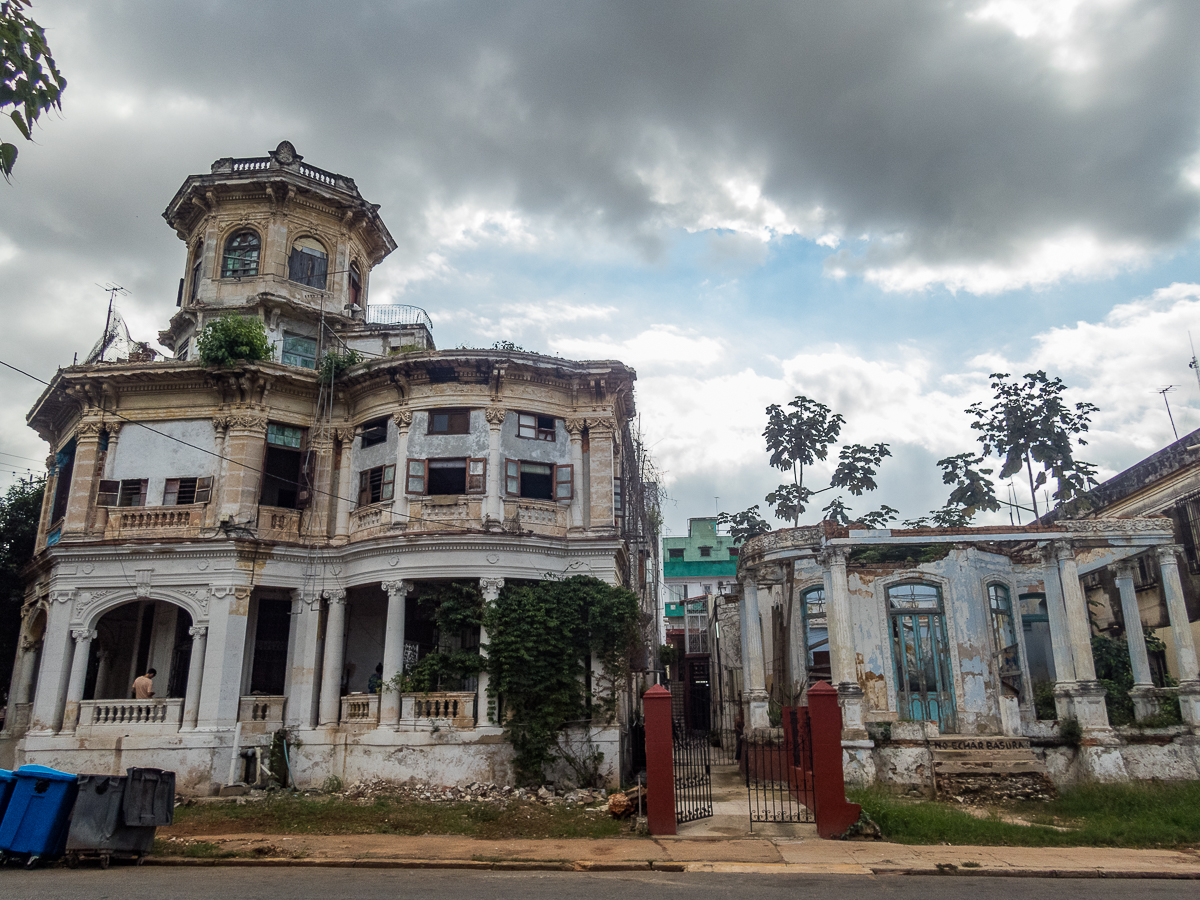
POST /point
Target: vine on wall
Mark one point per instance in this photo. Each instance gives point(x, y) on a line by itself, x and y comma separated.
point(542, 636)
point(457, 608)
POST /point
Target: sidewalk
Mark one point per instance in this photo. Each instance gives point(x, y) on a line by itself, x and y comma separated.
point(783, 855)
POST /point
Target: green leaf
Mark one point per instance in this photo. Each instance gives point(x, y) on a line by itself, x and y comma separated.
point(8, 156)
point(20, 123)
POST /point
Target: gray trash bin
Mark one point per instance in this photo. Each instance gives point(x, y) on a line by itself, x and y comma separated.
point(149, 797)
point(98, 829)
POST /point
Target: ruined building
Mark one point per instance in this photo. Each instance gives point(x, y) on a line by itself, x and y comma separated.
point(263, 536)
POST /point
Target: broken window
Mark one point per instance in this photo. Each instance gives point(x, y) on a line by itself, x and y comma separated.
point(376, 485)
point(439, 477)
point(299, 350)
point(197, 258)
point(64, 465)
point(182, 352)
point(308, 263)
point(450, 421)
point(241, 255)
point(355, 284)
point(539, 428)
point(128, 492)
point(182, 491)
point(285, 482)
point(375, 432)
point(538, 481)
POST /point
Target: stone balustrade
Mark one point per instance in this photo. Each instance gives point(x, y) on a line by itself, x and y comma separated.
point(278, 524)
point(367, 521)
point(165, 713)
point(456, 709)
point(261, 714)
point(360, 709)
point(155, 521)
point(539, 516)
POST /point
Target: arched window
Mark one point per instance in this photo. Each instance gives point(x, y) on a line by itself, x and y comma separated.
point(241, 255)
point(355, 284)
point(308, 263)
point(921, 654)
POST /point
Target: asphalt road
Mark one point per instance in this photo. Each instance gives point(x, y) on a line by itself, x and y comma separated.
point(127, 883)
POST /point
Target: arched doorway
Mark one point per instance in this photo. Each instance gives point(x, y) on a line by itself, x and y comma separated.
point(921, 651)
point(133, 638)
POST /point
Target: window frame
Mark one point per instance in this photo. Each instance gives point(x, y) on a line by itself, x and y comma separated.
point(112, 497)
point(311, 271)
point(513, 477)
point(451, 412)
point(386, 485)
point(539, 432)
point(201, 490)
point(410, 475)
point(372, 427)
point(284, 352)
point(675, 553)
point(226, 250)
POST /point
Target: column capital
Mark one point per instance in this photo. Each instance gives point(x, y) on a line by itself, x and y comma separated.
point(62, 596)
point(198, 631)
point(833, 556)
point(495, 415)
point(337, 595)
point(83, 634)
point(1167, 553)
point(575, 427)
point(1124, 568)
point(393, 588)
point(403, 419)
point(344, 433)
point(1060, 551)
point(491, 588)
point(89, 429)
point(602, 424)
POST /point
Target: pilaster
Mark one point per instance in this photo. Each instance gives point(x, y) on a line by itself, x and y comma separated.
point(601, 471)
point(486, 705)
point(493, 514)
point(221, 684)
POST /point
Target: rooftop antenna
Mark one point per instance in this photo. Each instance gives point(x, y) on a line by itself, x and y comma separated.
point(1164, 392)
point(1194, 365)
point(112, 290)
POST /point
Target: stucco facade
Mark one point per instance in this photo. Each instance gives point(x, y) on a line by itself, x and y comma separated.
point(263, 539)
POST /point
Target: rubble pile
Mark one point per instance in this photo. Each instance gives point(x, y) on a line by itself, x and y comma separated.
point(993, 788)
point(475, 792)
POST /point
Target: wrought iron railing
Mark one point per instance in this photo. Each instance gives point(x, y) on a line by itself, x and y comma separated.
point(398, 314)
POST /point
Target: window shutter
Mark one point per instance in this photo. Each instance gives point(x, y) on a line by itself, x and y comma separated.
point(476, 476)
point(512, 477)
point(295, 266)
point(364, 489)
point(564, 482)
point(142, 492)
point(109, 491)
point(171, 492)
point(388, 488)
point(319, 268)
point(203, 489)
point(415, 482)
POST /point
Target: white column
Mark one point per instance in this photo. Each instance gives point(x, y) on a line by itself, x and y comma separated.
point(221, 685)
point(393, 651)
point(1134, 636)
point(1060, 642)
point(1181, 632)
point(346, 493)
point(403, 419)
point(22, 666)
point(195, 678)
point(46, 717)
point(103, 664)
point(1086, 694)
point(79, 662)
point(494, 502)
point(575, 431)
point(331, 672)
point(837, 615)
point(301, 706)
point(753, 670)
point(485, 713)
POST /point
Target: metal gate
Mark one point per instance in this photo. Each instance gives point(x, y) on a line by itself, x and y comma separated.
point(779, 772)
point(693, 775)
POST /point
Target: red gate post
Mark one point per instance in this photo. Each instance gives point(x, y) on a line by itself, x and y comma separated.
point(660, 765)
point(833, 813)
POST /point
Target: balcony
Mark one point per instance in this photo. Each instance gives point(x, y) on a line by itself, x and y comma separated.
point(368, 521)
point(442, 709)
point(261, 714)
point(539, 516)
point(153, 716)
point(447, 512)
point(153, 521)
point(278, 524)
point(360, 709)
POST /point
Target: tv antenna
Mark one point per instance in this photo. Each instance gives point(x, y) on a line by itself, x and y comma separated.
point(112, 290)
point(1194, 365)
point(1164, 392)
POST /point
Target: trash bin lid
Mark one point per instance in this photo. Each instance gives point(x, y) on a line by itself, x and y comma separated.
point(6, 775)
point(44, 772)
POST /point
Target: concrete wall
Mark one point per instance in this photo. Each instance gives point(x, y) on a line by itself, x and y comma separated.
point(141, 453)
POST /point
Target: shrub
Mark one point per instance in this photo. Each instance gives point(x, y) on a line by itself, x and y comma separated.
point(1043, 700)
point(231, 339)
point(333, 365)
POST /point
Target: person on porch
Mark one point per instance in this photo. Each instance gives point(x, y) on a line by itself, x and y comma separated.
point(143, 685)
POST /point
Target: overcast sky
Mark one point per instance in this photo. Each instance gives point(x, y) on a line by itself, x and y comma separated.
point(872, 203)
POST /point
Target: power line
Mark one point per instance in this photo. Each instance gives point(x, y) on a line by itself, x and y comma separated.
point(246, 466)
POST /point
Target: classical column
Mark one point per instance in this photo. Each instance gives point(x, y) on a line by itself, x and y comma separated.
point(245, 448)
point(48, 494)
point(83, 478)
point(19, 689)
point(753, 669)
point(221, 684)
point(331, 672)
point(303, 690)
point(485, 713)
point(403, 419)
point(195, 678)
point(103, 664)
point(1142, 692)
point(1181, 632)
point(575, 431)
point(345, 502)
point(601, 465)
point(769, 581)
point(83, 638)
point(393, 651)
point(1087, 695)
point(322, 487)
point(844, 671)
point(1060, 643)
point(46, 717)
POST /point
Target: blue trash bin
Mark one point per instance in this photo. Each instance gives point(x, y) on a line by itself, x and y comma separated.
point(7, 782)
point(39, 813)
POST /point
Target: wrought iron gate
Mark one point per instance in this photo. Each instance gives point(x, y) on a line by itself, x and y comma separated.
point(779, 772)
point(693, 775)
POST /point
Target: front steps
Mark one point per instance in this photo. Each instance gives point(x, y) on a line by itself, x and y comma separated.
point(988, 768)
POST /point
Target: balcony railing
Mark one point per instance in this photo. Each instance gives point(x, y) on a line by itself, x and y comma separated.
point(443, 708)
point(126, 713)
point(397, 314)
point(155, 521)
point(539, 516)
point(360, 709)
point(278, 524)
point(261, 714)
point(369, 520)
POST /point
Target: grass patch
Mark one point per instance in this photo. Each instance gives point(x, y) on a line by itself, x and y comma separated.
point(1098, 815)
point(196, 850)
point(288, 814)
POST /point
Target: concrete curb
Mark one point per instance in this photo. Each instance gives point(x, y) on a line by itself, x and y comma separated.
point(663, 866)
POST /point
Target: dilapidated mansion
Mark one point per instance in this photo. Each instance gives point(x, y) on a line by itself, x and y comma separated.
point(262, 535)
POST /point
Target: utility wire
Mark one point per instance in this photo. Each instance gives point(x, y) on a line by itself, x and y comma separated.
point(246, 466)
